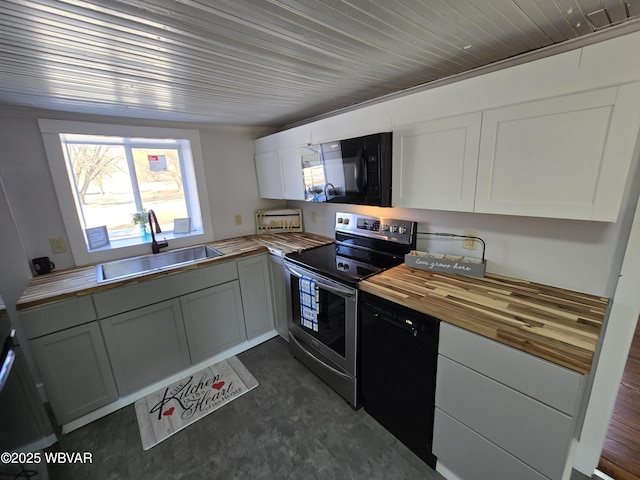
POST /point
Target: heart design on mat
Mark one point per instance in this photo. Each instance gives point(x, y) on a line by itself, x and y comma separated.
point(169, 412)
point(218, 385)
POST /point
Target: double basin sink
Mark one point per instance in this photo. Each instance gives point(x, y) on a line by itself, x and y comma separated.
point(138, 266)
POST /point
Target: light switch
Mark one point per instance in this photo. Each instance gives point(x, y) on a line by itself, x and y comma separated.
point(58, 245)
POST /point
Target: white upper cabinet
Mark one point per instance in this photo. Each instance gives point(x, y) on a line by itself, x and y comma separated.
point(563, 157)
point(280, 174)
point(291, 168)
point(435, 163)
point(268, 172)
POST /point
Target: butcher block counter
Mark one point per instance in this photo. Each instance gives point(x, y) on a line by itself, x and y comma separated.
point(63, 284)
point(559, 325)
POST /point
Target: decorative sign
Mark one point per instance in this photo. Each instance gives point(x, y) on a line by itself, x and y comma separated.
point(157, 163)
point(473, 267)
point(97, 237)
point(279, 221)
point(181, 226)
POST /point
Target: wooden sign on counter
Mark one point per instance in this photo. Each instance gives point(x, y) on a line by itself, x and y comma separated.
point(282, 220)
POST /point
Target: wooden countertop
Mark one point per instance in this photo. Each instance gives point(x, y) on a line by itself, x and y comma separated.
point(559, 325)
point(73, 282)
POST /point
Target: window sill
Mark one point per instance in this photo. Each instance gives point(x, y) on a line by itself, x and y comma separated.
point(122, 243)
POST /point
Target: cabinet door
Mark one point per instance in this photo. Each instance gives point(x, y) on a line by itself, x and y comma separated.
point(435, 163)
point(269, 177)
point(291, 169)
point(213, 320)
point(281, 301)
point(75, 370)
point(146, 345)
point(257, 301)
point(565, 157)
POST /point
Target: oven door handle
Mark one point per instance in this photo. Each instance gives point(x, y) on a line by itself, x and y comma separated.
point(312, 357)
point(343, 292)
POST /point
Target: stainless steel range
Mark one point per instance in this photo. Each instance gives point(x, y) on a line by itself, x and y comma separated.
point(323, 281)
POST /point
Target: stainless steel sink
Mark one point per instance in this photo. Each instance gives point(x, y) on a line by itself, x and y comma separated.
point(138, 266)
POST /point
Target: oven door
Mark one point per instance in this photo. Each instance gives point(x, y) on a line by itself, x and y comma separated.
point(328, 348)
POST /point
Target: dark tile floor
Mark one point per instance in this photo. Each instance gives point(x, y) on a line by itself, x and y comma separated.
point(292, 426)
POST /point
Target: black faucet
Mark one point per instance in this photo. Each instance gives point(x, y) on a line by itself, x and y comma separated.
point(156, 246)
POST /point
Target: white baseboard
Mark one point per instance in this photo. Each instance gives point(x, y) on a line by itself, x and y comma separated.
point(601, 475)
point(132, 398)
point(445, 472)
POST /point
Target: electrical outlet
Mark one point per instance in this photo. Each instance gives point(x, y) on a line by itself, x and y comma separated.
point(58, 245)
point(314, 217)
point(470, 243)
point(238, 219)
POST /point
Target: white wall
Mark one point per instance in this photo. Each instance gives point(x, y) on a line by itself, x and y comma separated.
point(231, 180)
point(577, 255)
point(229, 168)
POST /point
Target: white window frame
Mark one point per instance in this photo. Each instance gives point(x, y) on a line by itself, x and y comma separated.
point(51, 130)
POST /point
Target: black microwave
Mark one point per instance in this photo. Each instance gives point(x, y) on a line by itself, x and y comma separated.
point(356, 171)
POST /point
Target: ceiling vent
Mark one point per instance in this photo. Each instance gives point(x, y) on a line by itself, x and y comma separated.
point(606, 17)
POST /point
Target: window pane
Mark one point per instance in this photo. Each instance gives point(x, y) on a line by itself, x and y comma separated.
point(104, 189)
point(160, 181)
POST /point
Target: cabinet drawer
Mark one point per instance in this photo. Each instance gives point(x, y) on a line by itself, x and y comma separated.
point(147, 292)
point(471, 457)
point(528, 429)
point(552, 384)
point(53, 317)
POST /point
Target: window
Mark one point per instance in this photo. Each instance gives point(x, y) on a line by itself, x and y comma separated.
point(111, 181)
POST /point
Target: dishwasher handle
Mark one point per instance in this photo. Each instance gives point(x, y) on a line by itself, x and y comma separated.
point(402, 323)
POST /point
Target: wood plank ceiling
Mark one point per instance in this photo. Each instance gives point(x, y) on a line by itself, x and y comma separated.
point(265, 62)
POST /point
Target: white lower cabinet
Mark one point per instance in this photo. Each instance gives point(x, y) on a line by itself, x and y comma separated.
point(94, 349)
point(75, 371)
point(470, 456)
point(500, 412)
point(70, 354)
point(257, 302)
point(213, 320)
point(281, 304)
point(146, 345)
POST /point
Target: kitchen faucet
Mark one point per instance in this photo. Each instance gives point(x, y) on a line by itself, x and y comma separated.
point(156, 246)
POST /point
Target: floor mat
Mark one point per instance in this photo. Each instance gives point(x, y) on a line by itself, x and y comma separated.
point(170, 409)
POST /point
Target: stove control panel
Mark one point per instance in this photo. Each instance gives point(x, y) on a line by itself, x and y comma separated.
point(389, 229)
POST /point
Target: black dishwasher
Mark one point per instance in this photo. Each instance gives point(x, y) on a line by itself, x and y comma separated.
point(398, 358)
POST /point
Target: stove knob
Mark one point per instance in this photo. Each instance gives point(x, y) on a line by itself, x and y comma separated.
point(393, 228)
point(339, 220)
point(402, 230)
point(385, 227)
point(346, 221)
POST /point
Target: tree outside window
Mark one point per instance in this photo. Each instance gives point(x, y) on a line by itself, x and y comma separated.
point(114, 178)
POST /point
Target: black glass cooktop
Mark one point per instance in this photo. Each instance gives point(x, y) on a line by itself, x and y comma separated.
point(343, 263)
